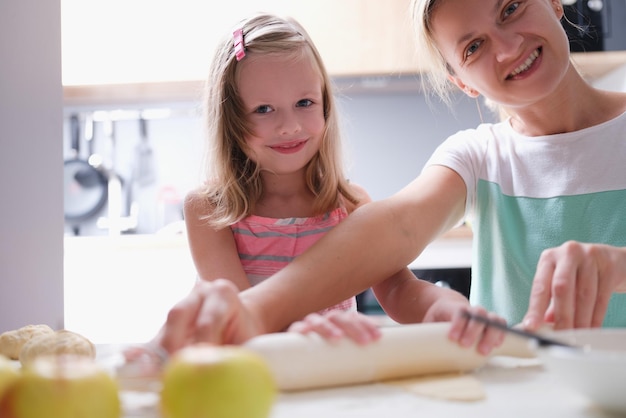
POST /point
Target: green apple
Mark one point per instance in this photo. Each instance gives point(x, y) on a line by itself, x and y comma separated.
point(60, 387)
point(8, 374)
point(209, 381)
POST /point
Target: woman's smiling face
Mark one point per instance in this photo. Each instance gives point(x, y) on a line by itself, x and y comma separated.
point(513, 52)
point(284, 109)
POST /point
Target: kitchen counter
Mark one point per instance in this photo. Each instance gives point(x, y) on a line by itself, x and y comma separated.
point(514, 388)
point(511, 392)
point(116, 274)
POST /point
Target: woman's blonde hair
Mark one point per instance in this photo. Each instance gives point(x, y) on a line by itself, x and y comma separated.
point(233, 184)
point(435, 68)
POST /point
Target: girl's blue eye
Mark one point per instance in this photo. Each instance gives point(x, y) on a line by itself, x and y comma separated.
point(263, 109)
point(304, 103)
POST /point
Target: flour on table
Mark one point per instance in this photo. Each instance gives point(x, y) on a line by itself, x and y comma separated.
point(448, 386)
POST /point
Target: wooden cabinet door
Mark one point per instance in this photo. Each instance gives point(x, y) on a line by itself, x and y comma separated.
point(120, 41)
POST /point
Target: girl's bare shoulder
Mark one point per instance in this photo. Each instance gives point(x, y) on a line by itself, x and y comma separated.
point(360, 193)
point(197, 201)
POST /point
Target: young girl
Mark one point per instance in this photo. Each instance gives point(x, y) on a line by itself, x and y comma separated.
point(275, 183)
point(274, 178)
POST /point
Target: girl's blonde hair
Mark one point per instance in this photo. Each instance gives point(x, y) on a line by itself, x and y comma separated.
point(234, 183)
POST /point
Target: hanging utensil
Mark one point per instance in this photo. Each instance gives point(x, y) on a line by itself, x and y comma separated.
point(144, 173)
point(85, 187)
point(114, 220)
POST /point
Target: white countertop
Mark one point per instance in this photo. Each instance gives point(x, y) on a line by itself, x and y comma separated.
point(511, 392)
point(514, 388)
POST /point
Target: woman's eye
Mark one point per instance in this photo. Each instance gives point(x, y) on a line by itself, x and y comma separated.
point(304, 103)
point(263, 109)
point(510, 9)
point(472, 48)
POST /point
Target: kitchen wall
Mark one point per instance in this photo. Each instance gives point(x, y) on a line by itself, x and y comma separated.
point(391, 135)
point(389, 130)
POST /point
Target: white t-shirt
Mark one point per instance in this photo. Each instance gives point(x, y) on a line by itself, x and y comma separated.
point(526, 194)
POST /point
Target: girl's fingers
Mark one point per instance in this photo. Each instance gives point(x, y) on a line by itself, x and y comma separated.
point(335, 325)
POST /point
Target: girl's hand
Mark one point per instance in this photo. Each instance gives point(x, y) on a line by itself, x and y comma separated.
point(335, 325)
point(573, 284)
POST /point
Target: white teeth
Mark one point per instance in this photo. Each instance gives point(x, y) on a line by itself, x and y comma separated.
point(526, 63)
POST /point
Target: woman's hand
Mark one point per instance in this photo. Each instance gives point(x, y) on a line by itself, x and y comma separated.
point(467, 332)
point(334, 325)
point(573, 284)
point(407, 299)
point(442, 304)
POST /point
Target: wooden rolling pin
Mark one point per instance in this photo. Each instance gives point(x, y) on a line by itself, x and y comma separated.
point(308, 361)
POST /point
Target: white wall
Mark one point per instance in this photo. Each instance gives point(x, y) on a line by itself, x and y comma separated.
point(31, 221)
point(391, 135)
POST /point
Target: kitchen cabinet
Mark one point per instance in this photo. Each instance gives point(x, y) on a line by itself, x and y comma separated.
point(593, 65)
point(152, 41)
point(149, 51)
point(159, 51)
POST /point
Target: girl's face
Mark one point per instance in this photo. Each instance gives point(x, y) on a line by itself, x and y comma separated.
point(284, 108)
point(511, 51)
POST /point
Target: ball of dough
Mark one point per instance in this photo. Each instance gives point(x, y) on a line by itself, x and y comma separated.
point(11, 342)
point(58, 343)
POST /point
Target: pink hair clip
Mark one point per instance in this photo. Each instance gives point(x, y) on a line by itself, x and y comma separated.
point(240, 48)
